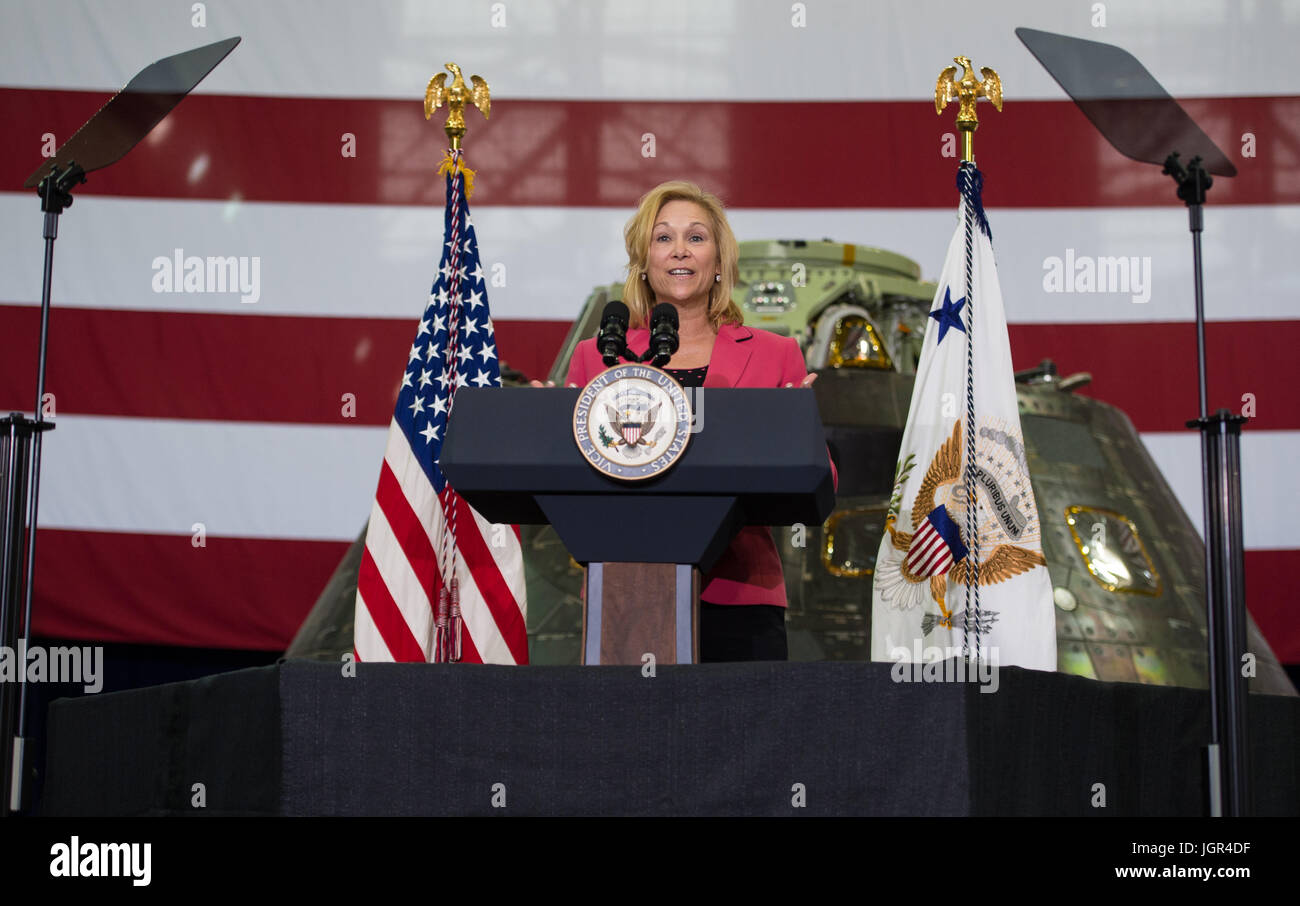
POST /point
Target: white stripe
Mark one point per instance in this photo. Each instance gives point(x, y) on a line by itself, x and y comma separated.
point(370, 645)
point(236, 479)
point(1270, 481)
point(260, 480)
point(404, 586)
point(1242, 247)
point(324, 260)
point(680, 49)
point(318, 482)
point(376, 261)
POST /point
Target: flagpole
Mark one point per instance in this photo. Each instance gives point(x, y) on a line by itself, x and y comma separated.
point(968, 90)
point(966, 176)
point(448, 624)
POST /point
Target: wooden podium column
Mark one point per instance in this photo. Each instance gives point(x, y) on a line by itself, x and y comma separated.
point(637, 608)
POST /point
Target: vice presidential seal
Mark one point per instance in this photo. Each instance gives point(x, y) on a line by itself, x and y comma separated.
point(632, 422)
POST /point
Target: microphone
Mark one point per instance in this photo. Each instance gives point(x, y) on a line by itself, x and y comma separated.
point(663, 334)
point(612, 338)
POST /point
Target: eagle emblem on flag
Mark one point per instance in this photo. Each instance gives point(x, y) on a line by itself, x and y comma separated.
point(934, 552)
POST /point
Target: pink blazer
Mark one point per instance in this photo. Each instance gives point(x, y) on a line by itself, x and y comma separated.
point(749, 571)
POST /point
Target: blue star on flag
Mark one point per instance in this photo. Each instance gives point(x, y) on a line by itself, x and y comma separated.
point(948, 315)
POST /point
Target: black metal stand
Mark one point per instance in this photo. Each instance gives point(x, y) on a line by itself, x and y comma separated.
point(22, 483)
point(1225, 584)
point(1226, 616)
point(17, 485)
point(1143, 122)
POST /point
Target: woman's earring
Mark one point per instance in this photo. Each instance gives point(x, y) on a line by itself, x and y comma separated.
point(717, 278)
point(643, 275)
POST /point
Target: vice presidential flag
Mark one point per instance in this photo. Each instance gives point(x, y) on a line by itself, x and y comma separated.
point(961, 565)
point(437, 582)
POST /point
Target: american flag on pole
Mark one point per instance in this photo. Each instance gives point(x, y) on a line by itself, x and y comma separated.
point(438, 582)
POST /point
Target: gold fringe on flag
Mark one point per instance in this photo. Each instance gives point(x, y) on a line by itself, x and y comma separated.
point(448, 162)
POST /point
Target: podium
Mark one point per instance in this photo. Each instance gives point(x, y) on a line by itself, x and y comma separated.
point(755, 457)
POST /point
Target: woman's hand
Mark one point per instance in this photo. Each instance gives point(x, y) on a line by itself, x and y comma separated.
point(807, 381)
point(540, 384)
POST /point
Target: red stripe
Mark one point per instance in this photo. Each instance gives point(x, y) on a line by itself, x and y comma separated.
point(162, 363)
point(408, 528)
point(385, 614)
point(1149, 370)
point(332, 356)
point(1270, 598)
point(878, 154)
point(160, 589)
point(487, 574)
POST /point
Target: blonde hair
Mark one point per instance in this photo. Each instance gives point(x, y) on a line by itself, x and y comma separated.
point(637, 295)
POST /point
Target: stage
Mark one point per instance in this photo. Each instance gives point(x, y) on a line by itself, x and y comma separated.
point(301, 738)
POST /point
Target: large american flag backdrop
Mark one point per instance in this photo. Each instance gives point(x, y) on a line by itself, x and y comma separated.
point(207, 472)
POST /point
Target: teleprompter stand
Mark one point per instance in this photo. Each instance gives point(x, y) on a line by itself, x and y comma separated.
point(758, 458)
point(104, 139)
point(1139, 118)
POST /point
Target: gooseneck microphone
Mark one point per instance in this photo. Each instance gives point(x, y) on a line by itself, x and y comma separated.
point(612, 338)
point(663, 335)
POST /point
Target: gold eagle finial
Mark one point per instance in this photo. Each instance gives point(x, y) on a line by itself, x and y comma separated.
point(967, 90)
point(455, 98)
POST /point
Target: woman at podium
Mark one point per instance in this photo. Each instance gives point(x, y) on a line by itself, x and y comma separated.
point(681, 250)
